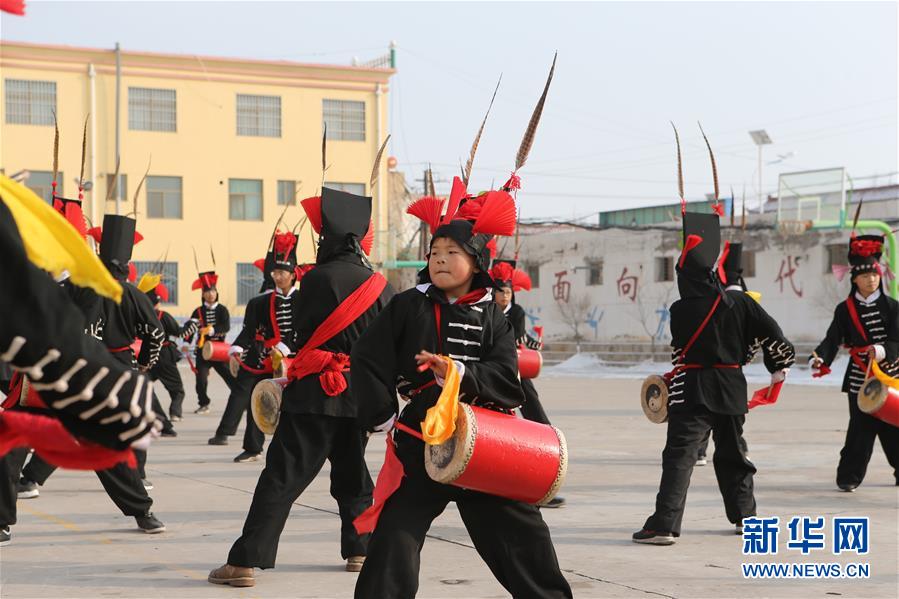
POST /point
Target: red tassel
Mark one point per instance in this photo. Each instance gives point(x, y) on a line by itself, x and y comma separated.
point(722, 274)
point(163, 292)
point(456, 194)
point(521, 281)
point(132, 272)
point(369, 240)
point(718, 209)
point(313, 208)
point(198, 284)
point(502, 271)
point(284, 242)
point(260, 264)
point(491, 247)
point(427, 209)
point(138, 238)
point(691, 242)
point(497, 215)
point(513, 183)
point(13, 7)
point(75, 216)
point(96, 233)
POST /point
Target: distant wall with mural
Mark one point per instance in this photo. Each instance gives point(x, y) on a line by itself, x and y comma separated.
point(617, 284)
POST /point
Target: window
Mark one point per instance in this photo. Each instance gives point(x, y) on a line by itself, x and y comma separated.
point(123, 183)
point(354, 188)
point(664, 269)
point(748, 260)
point(245, 199)
point(533, 271)
point(594, 273)
point(151, 109)
point(287, 193)
point(30, 102)
point(40, 182)
point(164, 197)
point(169, 272)
point(259, 115)
point(345, 120)
point(837, 255)
point(249, 280)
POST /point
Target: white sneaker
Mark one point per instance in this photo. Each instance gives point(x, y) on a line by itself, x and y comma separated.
point(701, 461)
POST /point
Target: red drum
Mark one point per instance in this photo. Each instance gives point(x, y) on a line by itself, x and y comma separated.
point(216, 351)
point(265, 404)
point(530, 362)
point(879, 401)
point(501, 455)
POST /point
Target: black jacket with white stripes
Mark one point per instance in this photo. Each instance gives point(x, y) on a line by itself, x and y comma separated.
point(729, 341)
point(476, 335)
point(133, 318)
point(880, 319)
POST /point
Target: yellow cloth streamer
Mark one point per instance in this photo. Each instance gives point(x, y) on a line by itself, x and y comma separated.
point(755, 295)
point(884, 377)
point(149, 281)
point(440, 421)
point(52, 243)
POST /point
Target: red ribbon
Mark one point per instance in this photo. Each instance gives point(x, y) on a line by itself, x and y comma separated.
point(765, 395)
point(310, 360)
point(55, 444)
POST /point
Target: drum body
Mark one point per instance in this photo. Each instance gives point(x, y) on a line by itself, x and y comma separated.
point(265, 403)
point(216, 351)
point(879, 401)
point(530, 361)
point(502, 455)
point(654, 398)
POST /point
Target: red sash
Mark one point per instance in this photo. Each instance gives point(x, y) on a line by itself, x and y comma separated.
point(680, 361)
point(330, 365)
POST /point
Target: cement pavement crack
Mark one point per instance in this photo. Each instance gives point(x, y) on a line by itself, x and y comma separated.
point(617, 584)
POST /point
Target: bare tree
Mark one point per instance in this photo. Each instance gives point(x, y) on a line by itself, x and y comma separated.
point(574, 314)
point(647, 315)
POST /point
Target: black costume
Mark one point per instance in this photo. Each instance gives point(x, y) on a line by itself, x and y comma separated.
point(269, 324)
point(166, 368)
point(313, 425)
point(510, 536)
point(878, 317)
point(708, 389)
point(42, 335)
point(217, 317)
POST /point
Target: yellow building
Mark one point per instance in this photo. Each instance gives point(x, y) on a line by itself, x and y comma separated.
point(227, 142)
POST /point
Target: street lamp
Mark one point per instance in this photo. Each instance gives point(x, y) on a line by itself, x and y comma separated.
point(760, 138)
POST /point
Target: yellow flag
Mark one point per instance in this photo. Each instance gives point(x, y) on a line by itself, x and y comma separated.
point(52, 243)
point(440, 421)
point(755, 295)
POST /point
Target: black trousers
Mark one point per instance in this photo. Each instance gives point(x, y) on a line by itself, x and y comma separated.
point(531, 408)
point(166, 372)
point(238, 407)
point(510, 536)
point(859, 445)
point(686, 427)
point(203, 367)
point(10, 466)
point(296, 454)
point(122, 484)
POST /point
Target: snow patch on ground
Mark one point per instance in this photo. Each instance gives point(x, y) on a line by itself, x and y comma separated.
point(591, 366)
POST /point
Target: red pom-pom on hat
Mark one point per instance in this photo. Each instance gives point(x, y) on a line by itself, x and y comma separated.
point(427, 209)
point(497, 215)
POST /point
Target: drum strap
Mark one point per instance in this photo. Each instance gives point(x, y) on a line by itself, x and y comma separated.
point(115, 350)
point(853, 316)
point(680, 361)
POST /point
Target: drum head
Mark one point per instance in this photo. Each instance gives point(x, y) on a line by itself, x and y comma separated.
point(654, 399)
point(266, 405)
point(446, 462)
point(233, 367)
point(872, 396)
point(563, 469)
point(207, 350)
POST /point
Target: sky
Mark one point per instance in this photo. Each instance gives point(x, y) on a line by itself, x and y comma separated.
point(819, 77)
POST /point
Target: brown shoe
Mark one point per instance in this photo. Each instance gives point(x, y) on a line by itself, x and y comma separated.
point(354, 563)
point(235, 576)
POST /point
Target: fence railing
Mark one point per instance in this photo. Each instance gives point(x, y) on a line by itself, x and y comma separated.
point(626, 353)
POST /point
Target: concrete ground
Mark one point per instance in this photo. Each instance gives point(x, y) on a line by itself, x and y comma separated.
point(72, 542)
